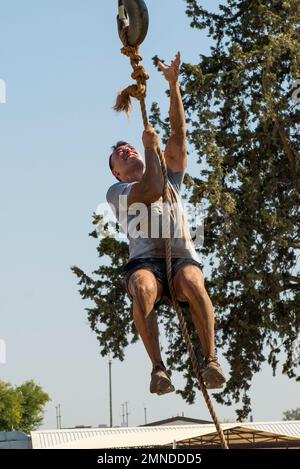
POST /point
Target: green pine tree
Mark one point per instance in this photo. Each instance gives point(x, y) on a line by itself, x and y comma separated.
point(243, 128)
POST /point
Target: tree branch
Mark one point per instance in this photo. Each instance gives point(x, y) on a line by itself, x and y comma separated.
point(288, 148)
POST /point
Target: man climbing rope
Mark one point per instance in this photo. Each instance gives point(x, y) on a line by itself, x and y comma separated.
point(145, 274)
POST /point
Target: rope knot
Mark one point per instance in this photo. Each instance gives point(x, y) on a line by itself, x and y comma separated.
point(140, 74)
point(132, 53)
point(139, 90)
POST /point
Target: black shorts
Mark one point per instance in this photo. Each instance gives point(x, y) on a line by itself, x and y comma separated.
point(158, 267)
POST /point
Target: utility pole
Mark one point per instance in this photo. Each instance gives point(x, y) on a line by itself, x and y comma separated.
point(110, 396)
point(145, 412)
point(123, 415)
point(126, 413)
point(58, 416)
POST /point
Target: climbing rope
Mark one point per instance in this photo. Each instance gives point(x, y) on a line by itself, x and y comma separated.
point(123, 103)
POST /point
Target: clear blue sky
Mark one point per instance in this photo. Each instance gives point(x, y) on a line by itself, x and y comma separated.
point(62, 67)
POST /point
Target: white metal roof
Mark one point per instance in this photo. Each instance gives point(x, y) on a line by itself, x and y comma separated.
point(288, 428)
point(97, 438)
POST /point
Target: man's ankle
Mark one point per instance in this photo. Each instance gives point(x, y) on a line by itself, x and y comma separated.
point(158, 365)
point(211, 358)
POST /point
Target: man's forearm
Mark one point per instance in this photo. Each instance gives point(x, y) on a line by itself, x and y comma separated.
point(177, 113)
point(152, 179)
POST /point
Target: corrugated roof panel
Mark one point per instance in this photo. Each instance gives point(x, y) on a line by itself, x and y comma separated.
point(289, 428)
point(147, 436)
point(115, 437)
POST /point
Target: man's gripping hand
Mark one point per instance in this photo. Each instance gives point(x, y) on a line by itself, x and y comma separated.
point(150, 138)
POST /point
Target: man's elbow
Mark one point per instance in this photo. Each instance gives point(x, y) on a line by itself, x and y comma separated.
point(153, 193)
point(153, 198)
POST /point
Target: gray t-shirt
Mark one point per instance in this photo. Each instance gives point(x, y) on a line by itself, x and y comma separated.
point(147, 226)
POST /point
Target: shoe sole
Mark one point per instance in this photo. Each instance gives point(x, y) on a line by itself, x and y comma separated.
point(213, 378)
point(166, 391)
point(162, 386)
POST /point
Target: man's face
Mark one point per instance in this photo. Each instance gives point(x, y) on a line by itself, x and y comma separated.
point(127, 163)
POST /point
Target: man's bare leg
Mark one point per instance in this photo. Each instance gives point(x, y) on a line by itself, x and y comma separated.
point(189, 286)
point(148, 330)
point(146, 291)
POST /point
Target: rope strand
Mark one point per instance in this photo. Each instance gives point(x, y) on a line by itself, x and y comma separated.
point(123, 103)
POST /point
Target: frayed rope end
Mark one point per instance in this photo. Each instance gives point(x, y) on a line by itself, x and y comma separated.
point(123, 102)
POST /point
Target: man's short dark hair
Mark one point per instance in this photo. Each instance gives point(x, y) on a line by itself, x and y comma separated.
point(114, 148)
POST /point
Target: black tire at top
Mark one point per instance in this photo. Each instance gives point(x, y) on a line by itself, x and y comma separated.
point(138, 21)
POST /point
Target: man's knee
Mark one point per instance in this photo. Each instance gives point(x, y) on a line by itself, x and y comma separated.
point(142, 286)
point(189, 283)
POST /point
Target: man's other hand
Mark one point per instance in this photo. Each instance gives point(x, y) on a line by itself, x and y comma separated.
point(171, 73)
point(150, 138)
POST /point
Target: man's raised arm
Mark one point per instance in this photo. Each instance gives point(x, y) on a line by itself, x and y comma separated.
point(175, 152)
